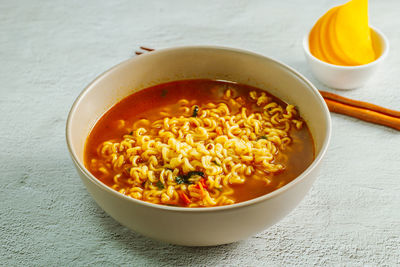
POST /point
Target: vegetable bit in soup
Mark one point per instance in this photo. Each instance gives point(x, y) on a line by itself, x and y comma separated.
point(199, 143)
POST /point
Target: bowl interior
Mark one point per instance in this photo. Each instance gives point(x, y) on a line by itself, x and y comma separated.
point(195, 63)
point(379, 42)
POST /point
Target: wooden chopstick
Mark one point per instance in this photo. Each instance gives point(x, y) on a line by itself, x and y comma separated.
point(146, 49)
point(362, 110)
point(346, 106)
point(363, 114)
point(360, 104)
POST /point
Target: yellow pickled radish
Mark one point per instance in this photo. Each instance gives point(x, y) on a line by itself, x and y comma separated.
point(326, 48)
point(314, 42)
point(342, 35)
point(353, 33)
point(332, 42)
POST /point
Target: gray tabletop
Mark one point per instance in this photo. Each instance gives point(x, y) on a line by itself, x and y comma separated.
point(50, 50)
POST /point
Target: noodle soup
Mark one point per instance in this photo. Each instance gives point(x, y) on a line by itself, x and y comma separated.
point(199, 143)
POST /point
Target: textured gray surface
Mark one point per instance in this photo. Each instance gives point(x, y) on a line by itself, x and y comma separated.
point(50, 50)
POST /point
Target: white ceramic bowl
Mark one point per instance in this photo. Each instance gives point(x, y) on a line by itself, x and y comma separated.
point(198, 226)
point(347, 77)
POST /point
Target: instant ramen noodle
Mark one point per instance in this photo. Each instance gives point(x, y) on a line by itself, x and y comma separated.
point(199, 143)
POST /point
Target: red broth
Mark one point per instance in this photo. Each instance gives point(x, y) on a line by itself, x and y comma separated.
point(148, 103)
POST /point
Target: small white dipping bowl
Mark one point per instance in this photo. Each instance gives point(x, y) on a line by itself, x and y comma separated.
point(347, 77)
point(198, 226)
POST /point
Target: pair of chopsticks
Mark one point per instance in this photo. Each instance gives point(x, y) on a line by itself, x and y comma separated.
point(145, 49)
point(362, 110)
point(346, 106)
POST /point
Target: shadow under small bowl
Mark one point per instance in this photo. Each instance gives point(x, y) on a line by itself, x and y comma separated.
point(210, 225)
point(347, 77)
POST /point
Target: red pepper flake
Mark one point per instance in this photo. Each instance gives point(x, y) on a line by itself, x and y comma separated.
point(184, 198)
point(203, 183)
point(201, 189)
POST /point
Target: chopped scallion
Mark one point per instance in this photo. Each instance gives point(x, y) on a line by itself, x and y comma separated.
point(160, 185)
point(195, 111)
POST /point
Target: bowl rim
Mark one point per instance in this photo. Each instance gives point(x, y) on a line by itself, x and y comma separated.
point(239, 205)
point(382, 56)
